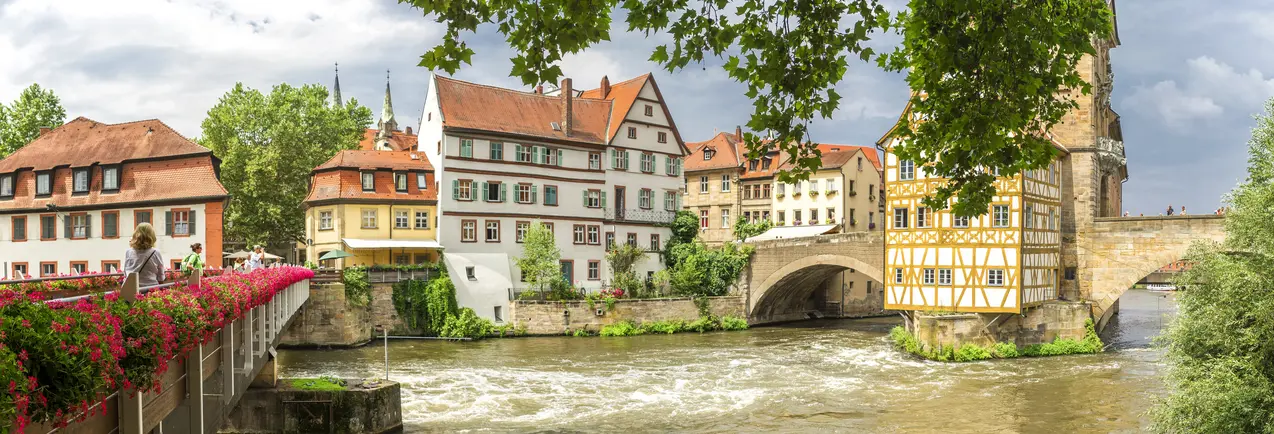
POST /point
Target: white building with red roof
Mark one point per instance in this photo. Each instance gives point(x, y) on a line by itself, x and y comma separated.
point(69, 200)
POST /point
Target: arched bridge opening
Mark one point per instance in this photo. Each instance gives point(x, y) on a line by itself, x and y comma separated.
point(801, 278)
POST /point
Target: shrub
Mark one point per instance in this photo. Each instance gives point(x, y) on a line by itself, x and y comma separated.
point(663, 327)
point(732, 323)
point(971, 353)
point(1004, 350)
point(1089, 344)
point(622, 328)
point(358, 291)
point(466, 324)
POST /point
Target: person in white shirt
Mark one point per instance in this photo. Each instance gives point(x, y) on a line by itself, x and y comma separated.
point(255, 260)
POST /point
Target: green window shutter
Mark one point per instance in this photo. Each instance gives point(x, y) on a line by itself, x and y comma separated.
point(625, 160)
point(517, 152)
point(559, 158)
point(503, 187)
point(668, 165)
point(483, 190)
point(191, 223)
point(614, 159)
point(67, 220)
point(88, 227)
point(585, 198)
point(603, 199)
point(168, 222)
point(534, 194)
point(455, 189)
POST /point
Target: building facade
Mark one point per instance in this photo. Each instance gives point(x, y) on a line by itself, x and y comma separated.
point(843, 191)
point(712, 185)
point(597, 167)
point(69, 200)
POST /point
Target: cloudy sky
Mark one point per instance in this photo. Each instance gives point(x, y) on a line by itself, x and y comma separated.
point(1187, 79)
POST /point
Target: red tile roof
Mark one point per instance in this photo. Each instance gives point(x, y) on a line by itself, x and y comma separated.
point(141, 182)
point(83, 142)
point(727, 152)
point(489, 108)
point(872, 154)
point(398, 140)
point(340, 178)
point(622, 95)
point(373, 160)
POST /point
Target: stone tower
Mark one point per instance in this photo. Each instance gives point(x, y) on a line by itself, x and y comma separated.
point(387, 124)
point(1094, 171)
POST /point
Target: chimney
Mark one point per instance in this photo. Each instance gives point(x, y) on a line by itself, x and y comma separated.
point(409, 131)
point(539, 90)
point(738, 132)
point(568, 97)
point(605, 86)
point(43, 131)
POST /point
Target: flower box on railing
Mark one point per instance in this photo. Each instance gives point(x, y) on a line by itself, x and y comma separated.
point(831, 192)
point(853, 193)
point(831, 221)
point(813, 193)
point(871, 226)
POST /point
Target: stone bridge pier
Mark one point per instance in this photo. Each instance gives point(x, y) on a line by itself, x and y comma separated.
point(784, 273)
point(1113, 253)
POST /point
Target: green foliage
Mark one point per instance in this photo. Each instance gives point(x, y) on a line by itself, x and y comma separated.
point(313, 266)
point(971, 353)
point(1004, 350)
point(440, 303)
point(20, 122)
point(664, 327)
point(699, 270)
point(1090, 344)
point(540, 263)
point(743, 229)
point(581, 333)
point(793, 54)
point(701, 325)
point(622, 328)
point(703, 305)
point(905, 341)
point(685, 227)
point(622, 258)
point(321, 384)
point(267, 145)
point(733, 323)
point(358, 291)
point(1220, 347)
point(466, 324)
point(428, 306)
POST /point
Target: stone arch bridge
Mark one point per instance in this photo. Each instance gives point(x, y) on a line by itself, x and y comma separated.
point(784, 273)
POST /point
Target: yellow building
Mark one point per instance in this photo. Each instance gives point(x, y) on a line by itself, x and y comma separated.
point(380, 206)
point(1001, 262)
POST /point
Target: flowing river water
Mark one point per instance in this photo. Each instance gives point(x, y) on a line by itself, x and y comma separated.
point(823, 376)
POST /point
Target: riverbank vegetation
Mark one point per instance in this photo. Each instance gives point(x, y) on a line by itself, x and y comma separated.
point(320, 384)
point(905, 341)
point(1220, 347)
point(701, 325)
point(431, 308)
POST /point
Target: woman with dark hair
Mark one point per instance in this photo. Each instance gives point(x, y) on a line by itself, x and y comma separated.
point(143, 258)
point(192, 261)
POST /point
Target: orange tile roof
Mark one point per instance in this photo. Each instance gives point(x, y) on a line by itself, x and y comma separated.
point(372, 160)
point(398, 140)
point(872, 154)
point(141, 182)
point(346, 184)
point(622, 95)
point(83, 142)
point(727, 153)
point(489, 108)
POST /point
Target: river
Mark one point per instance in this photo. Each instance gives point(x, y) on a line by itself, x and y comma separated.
point(829, 376)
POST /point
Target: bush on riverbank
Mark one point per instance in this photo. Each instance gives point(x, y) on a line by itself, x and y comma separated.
point(906, 342)
point(701, 325)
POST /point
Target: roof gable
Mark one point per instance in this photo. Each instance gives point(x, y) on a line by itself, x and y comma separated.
point(725, 154)
point(488, 108)
point(84, 142)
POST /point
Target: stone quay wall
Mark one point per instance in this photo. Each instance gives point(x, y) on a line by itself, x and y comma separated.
point(371, 407)
point(1036, 325)
point(558, 317)
point(327, 320)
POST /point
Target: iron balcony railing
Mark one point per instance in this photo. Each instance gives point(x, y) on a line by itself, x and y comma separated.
point(640, 215)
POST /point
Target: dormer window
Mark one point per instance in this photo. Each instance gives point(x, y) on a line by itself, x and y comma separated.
point(400, 182)
point(707, 154)
point(80, 178)
point(420, 181)
point(369, 181)
point(43, 184)
point(110, 178)
point(6, 185)
point(752, 165)
point(765, 164)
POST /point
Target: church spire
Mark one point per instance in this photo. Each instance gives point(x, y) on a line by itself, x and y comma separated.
point(387, 122)
point(336, 89)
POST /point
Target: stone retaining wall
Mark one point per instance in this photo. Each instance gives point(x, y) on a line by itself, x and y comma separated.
point(384, 314)
point(1036, 325)
point(328, 320)
point(557, 317)
point(371, 408)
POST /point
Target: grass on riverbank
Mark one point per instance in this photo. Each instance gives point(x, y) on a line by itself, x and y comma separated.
point(701, 325)
point(321, 384)
point(905, 341)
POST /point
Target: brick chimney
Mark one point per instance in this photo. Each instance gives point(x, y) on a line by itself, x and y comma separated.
point(539, 90)
point(43, 131)
point(568, 99)
point(605, 86)
point(409, 131)
point(738, 132)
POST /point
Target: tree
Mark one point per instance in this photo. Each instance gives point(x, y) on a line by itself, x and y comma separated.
point(267, 145)
point(540, 262)
point(685, 227)
point(622, 259)
point(989, 67)
point(20, 123)
point(699, 270)
point(1220, 347)
point(743, 229)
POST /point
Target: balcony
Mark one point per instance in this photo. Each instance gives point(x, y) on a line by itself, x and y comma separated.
point(640, 215)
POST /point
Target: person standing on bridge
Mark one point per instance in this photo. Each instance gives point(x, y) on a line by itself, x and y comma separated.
point(1169, 209)
point(1183, 210)
point(192, 261)
point(143, 258)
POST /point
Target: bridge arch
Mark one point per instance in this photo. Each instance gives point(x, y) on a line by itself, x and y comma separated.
point(792, 284)
point(785, 273)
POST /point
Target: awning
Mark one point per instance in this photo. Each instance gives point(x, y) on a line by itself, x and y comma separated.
point(785, 232)
point(357, 244)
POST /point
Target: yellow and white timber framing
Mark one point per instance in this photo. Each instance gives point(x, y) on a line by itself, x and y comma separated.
point(1001, 262)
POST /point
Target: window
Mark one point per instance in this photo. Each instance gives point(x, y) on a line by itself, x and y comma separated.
point(752, 165)
point(400, 182)
point(79, 267)
point(632, 132)
point(593, 199)
point(1000, 216)
point(898, 275)
point(48, 269)
point(594, 234)
point(831, 215)
point(995, 277)
point(578, 231)
point(703, 184)
point(654, 242)
point(960, 221)
point(470, 273)
point(831, 186)
point(1052, 215)
point(369, 181)
point(6, 185)
point(906, 170)
point(922, 217)
point(493, 191)
point(594, 161)
point(522, 153)
point(79, 226)
point(648, 162)
point(466, 148)
point(765, 191)
point(672, 165)
point(670, 201)
point(421, 181)
point(181, 223)
point(725, 182)
point(650, 110)
point(1070, 273)
point(519, 231)
point(497, 151)
point(80, 181)
point(110, 266)
point(944, 276)
point(422, 219)
point(525, 193)
point(20, 270)
point(813, 216)
point(796, 188)
point(646, 198)
point(765, 164)
point(663, 137)
point(707, 154)
point(550, 195)
point(928, 276)
point(610, 240)
point(43, 184)
point(19, 228)
point(141, 216)
point(550, 156)
point(813, 186)
point(852, 190)
point(1028, 217)
point(796, 217)
point(765, 216)
point(860, 164)
point(782, 218)
point(703, 219)
point(493, 231)
point(900, 218)
point(725, 218)
point(618, 159)
point(401, 220)
point(463, 189)
point(369, 219)
point(632, 239)
point(497, 315)
point(594, 270)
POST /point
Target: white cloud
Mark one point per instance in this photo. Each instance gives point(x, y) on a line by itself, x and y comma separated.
point(1208, 90)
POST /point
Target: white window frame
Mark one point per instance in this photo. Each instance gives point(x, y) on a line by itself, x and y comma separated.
point(469, 231)
point(929, 276)
point(703, 219)
point(80, 180)
point(110, 178)
point(466, 189)
point(594, 161)
point(1000, 216)
point(959, 222)
point(43, 184)
point(995, 277)
point(725, 218)
point(422, 220)
point(1028, 216)
point(325, 220)
point(944, 276)
point(369, 219)
point(402, 220)
point(519, 231)
point(367, 180)
point(898, 275)
point(906, 170)
point(703, 184)
point(924, 218)
point(901, 221)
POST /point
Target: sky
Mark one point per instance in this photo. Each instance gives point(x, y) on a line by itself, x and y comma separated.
point(1187, 79)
